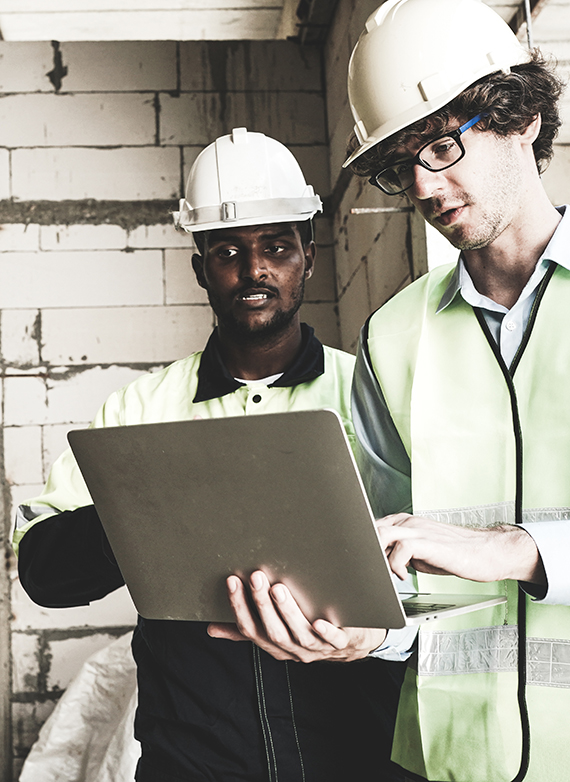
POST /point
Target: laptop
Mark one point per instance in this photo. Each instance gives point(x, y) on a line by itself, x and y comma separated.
point(187, 503)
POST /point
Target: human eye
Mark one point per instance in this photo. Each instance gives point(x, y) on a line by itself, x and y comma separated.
point(403, 167)
point(442, 148)
point(226, 252)
point(277, 248)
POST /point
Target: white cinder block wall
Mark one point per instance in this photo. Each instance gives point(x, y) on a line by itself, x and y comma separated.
point(376, 254)
point(96, 140)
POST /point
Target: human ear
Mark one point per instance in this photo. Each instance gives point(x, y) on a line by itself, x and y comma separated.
point(310, 252)
point(530, 134)
point(198, 266)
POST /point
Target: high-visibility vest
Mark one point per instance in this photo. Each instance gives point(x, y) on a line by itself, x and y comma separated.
point(468, 430)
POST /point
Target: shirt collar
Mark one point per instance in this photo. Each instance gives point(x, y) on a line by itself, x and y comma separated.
point(214, 380)
point(555, 251)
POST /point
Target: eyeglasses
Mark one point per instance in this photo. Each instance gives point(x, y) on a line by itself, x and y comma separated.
point(436, 155)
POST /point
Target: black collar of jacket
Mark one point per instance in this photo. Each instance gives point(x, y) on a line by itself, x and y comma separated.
point(214, 380)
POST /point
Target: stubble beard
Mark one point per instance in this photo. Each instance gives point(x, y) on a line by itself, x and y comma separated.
point(497, 204)
point(245, 333)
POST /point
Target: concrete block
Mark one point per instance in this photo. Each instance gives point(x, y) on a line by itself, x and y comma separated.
point(339, 134)
point(180, 281)
point(27, 719)
point(159, 236)
point(337, 49)
point(136, 24)
point(388, 261)
point(114, 610)
point(67, 396)
point(24, 401)
point(69, 654)
point(54, 443)
point(82, 237)
point(23, 454)
point(114, 174)
point(245, 66)
point(361, 12)
point(20, 337)
point(119, 66)
point(5, 182)
point(77, 120)
point(72, 279)
point(354, 308)
point(198, 118)
point(315, 164)
point(556, 178)
point(124, 334)
point(323, 227)
point(19, 238)
point(324, 319)
point(356, 233)
point(552, 22)
point(322, 285)
point(24, 66)
point(25, 663)
point(189, 155)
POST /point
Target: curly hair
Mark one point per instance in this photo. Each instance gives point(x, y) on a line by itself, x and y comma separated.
point(511, 101)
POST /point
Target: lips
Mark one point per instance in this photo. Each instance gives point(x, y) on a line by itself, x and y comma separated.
point(449, 216)
point(256, 295)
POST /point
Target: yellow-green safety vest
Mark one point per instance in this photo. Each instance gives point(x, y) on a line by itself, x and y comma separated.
point(458, 719)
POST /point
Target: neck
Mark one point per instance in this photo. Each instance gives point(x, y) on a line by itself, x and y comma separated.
point(258, 357)
point(501, 270)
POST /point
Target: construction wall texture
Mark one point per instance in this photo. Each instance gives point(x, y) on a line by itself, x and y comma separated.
point(96, 140)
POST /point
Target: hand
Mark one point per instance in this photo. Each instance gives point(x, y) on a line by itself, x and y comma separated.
point(282, 630)
point(482, 554)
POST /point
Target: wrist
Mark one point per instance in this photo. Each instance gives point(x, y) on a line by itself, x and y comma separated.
point(523, 559)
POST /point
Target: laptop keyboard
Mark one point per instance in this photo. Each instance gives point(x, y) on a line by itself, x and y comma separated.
point(415, 609)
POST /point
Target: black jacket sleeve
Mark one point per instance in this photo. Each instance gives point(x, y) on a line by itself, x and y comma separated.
point(66, 560)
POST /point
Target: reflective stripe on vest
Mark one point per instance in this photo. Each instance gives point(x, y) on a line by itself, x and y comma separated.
point(494, 649)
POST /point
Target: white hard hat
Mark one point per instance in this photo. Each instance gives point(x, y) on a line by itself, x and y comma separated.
point(417, 55)
point(245, 179)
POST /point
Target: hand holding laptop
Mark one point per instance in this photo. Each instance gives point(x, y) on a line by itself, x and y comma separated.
point(282, 630)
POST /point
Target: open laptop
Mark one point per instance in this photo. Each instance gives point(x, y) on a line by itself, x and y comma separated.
point(187, 503)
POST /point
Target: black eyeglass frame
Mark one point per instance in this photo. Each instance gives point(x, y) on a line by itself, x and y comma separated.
point(416, 160)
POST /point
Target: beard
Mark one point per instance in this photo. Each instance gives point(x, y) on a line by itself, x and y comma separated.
point(244, 332)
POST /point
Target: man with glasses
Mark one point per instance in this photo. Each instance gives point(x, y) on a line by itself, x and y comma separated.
point(460, 395)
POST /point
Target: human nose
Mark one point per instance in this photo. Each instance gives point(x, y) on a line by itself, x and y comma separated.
point(254, 265)
point(425, 183)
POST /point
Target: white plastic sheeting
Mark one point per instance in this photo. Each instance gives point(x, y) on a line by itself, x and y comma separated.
point(89, 735)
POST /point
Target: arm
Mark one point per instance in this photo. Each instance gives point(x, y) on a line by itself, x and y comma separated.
point(64, 557)
point(66, 560)
point(483, 554)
